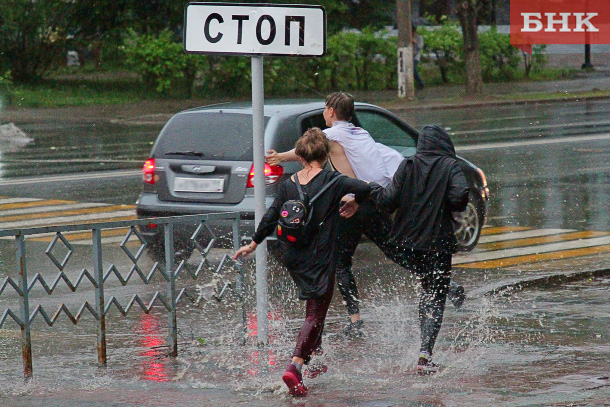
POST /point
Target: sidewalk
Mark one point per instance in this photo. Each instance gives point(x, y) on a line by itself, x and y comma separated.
point(587, 85)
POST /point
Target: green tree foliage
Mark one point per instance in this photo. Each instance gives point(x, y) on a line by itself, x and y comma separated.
point(34, 35)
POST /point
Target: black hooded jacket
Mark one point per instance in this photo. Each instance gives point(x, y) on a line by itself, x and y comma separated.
point(425, 189)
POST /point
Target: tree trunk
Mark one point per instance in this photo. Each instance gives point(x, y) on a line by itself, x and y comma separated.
point(467, 14)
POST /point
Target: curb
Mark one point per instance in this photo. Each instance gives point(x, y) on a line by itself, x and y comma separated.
point(491, 103)
point(508, 287)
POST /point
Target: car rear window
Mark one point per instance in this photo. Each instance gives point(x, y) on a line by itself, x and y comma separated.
point(217, 135)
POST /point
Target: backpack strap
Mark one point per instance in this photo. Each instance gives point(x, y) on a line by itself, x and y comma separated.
point(332, 181)
point(301, 196)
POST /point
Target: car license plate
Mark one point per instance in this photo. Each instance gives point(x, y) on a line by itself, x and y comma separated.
point(199, 185)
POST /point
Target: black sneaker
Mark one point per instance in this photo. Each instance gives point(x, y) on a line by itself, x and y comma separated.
point(354, 329)
point(426, 366)
point(456, 295)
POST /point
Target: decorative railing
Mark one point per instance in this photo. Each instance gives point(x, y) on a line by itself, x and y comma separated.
point(97, 276)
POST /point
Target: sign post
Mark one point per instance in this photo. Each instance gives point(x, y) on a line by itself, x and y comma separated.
point(256, 30)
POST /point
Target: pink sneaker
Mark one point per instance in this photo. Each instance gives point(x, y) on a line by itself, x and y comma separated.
point(425, 366)
point(294, 381)
point(314, 370)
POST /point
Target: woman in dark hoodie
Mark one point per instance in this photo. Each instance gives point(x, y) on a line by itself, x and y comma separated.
point(425, 189)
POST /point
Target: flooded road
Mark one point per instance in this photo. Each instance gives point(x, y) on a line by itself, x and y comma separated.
point(537, 347)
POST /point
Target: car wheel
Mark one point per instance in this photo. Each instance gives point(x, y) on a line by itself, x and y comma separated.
point(467, 227)
point(182, 250)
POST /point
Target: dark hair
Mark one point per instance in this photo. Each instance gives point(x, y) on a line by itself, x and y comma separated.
point(343, 103)
point(313, 146)
point(413, 28)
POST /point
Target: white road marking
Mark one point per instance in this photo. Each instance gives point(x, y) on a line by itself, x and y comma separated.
point(71, 177)
point(18, 200)
point(545, 141)
point(522, 235)
point(536, 127)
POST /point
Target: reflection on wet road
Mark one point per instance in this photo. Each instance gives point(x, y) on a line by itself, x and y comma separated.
point(537, 348)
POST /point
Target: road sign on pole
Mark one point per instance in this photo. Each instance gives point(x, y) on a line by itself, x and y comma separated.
point(256, 30)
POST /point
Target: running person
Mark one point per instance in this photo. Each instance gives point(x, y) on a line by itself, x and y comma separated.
point(312, 267)
point(424, 191)
point(356, 154)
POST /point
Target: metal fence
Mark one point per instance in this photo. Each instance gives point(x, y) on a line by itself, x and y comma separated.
point(97, 277)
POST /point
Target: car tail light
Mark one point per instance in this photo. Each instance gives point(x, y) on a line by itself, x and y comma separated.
point(149, 171)
point(273, 173)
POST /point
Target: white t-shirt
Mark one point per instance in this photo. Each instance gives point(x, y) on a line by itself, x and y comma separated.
point(370, 161)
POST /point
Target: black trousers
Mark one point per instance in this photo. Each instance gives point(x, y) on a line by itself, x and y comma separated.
point(433, 270)
point(376, 225)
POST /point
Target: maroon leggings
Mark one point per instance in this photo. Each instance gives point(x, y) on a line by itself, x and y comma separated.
point(310, 336)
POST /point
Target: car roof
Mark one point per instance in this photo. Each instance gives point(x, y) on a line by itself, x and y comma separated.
point(273, 107)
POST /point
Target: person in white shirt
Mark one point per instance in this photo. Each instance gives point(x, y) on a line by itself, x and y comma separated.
point(355, 153)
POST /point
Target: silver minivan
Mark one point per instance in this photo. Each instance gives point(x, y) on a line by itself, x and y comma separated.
point(202, 162)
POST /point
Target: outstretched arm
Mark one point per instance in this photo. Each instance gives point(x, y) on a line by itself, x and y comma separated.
point(245, 250)
point(275, 158)
point(388, 198)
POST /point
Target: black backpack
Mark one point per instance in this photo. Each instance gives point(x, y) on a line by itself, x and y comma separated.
point(294, 226)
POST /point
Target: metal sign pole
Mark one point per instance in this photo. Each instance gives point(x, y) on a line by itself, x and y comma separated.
point(256, 30)
point(258, 127)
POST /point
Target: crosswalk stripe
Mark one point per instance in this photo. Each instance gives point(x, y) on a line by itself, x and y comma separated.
point(507, 244)
point(106, 240)
point(33, 204)
point(4, 219)
point(51, 208)
point(531, 250)
point(8, 201)
point(79, 236)
point(62, 220)
point(522, 235)
point(512, 261)
point(493, 230)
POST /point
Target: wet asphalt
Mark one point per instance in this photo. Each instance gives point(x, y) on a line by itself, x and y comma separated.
point(511, 344)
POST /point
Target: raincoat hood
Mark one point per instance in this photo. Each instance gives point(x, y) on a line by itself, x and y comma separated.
point(434, 140)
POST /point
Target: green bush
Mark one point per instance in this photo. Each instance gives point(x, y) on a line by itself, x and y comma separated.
point(536, 61)
point(444, 45)
point(161, 61)
point(499, 59)
point(353, 61)
point(6, 87)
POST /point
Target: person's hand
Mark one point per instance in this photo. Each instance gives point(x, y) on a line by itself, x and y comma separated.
point(245, 250)
point(273, 157)
point(349, 208)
